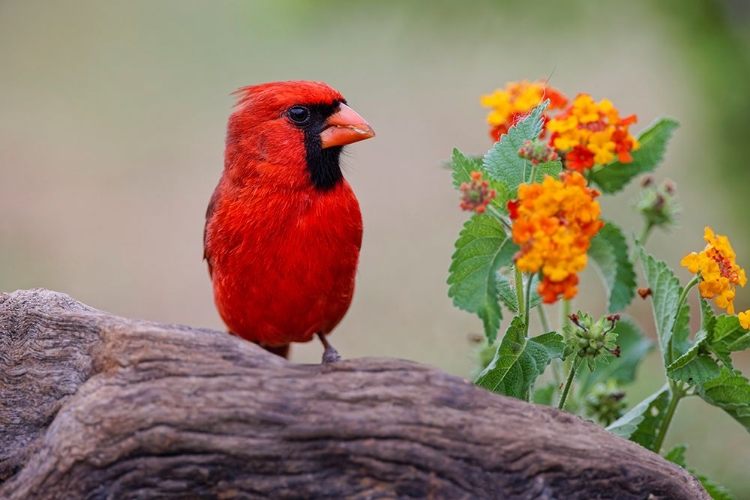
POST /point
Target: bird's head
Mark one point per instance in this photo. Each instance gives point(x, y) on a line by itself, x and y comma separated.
point(292, 133)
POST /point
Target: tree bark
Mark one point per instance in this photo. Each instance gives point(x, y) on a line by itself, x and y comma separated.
point(97, 406)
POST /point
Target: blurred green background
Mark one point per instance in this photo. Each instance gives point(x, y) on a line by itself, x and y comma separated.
point(112, 120)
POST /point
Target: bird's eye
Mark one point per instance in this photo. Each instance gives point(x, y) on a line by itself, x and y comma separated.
point(298, 114)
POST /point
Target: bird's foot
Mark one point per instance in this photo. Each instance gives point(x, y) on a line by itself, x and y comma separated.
point(330, 355)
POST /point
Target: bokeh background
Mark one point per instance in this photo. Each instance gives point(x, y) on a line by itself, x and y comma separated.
point(112, 120)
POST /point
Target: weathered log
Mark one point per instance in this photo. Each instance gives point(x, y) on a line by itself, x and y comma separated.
point(97, 406)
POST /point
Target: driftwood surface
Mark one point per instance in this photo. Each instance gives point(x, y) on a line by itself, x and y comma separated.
point(98, 406)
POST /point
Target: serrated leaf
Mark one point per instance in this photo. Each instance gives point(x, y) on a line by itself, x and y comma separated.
point(551, 168)
point(634, 345)
point(461, 168)
point(730, 392)
point(714, 489)
point(676, 455)
point(615, 176)
point(729, 333)
point(695, 366)
point(666, 291)
point(642, 423)
point(726, 337)
point(482, 248)
point(609, 251)
point(508, 293)
point(519, 361)
point(502, 162)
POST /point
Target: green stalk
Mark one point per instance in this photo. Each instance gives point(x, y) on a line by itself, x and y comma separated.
point(534, 168)
point(675, 398)
point(645, 233)
point(527, 306)
point(571, 375)
point(680, 302)
point(519, 292)
point(564, 313)
point(543, 318)
point(641, 241)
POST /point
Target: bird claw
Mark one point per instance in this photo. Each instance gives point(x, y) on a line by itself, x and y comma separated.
point(330, 355)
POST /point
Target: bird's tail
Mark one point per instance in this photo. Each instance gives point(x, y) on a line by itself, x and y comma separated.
point(279, 350)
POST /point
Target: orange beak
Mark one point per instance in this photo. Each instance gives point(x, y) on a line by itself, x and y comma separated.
point(344, 127)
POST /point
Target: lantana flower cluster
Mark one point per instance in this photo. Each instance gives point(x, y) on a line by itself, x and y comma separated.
point(584, 133)
point(592, 133)
point(476, 195)
point(719, 272)
point(515, 101)
point(553, 223)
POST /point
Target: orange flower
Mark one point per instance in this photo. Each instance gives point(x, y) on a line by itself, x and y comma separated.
point(719, 272)
point(515, 101)
point(553, 223)
point(592, 133)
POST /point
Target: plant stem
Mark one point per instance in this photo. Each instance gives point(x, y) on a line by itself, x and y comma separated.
point(564, 313)
point(543, 318)
point(519, 292)
point(645, 233)
point(534, 168)
point(680, 302)
point(527, 305)
point(641, 241)
point(676, 395)
point(569, 382)
point(504, 221)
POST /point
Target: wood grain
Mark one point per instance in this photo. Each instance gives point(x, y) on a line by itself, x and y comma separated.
point(101, 407)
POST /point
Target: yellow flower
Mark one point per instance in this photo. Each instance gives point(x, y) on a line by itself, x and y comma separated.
point(719, 272)
point(744, 318)
point(516, 100)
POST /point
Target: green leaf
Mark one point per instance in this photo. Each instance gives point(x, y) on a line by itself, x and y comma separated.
point(714, 489)
point(615, 176)
point(481, 249)
point(730, 392)
point(502, 162)
point(665, 294)
point(609, 250)
point(461, 168)
point(676, 455)
point(695, 366)
point(519, 361)
point(634, 345)
point(729, 334)
point(508, 293)
point(642, 423)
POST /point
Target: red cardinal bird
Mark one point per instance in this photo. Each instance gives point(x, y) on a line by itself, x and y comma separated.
point(283, 227)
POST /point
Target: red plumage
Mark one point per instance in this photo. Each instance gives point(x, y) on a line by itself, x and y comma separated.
point(283, 228)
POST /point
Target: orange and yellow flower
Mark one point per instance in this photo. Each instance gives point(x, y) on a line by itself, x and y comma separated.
point(719, 272)
point(553, 223)
point(515, 101)
point(744, 318)
point(592, 133)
